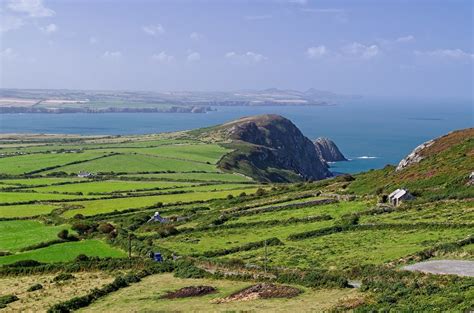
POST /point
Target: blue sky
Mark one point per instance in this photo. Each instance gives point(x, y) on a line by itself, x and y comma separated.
point(405, 48)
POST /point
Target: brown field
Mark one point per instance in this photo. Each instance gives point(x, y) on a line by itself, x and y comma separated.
point(52, 292)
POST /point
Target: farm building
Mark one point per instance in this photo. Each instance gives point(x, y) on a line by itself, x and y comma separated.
point(157, 218)
point(84, 174)
point(398, 196)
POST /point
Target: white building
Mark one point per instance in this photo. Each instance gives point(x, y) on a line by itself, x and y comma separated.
point(398, 196)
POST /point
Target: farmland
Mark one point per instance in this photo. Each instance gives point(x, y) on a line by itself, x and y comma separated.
point(221, 229)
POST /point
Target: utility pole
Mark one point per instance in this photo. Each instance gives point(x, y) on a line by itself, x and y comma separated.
point(265, 259)
point(129, 245)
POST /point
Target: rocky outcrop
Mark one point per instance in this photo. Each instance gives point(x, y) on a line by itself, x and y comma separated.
point(327, 150)
point(268, 145)
point(436, 146)
point(415, 156)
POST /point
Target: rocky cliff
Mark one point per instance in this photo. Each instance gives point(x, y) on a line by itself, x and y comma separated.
point(327, 150)
point(271, 148)
point(435, 146)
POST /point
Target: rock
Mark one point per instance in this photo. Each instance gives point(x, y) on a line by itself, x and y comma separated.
point(415, 156)
point(327, 150)
point(276, 145)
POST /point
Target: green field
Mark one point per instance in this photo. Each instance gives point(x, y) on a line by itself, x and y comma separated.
point(25, 210)
point(110, 186)
point(34, 162)
point(20, 234)
point(134, 163)
point(93, 207)
point(65, 252)
point(224, 177)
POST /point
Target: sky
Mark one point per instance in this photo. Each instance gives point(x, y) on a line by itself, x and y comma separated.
point(385, 48)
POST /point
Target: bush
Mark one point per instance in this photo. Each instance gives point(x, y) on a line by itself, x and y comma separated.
point(63, 234)
point(186, 269)
point(63, 277)
point(106, 228)
point(4, 300)
point(260, 192)
point(25, 263)
point(35, 287)
point(230, 197)
point(83, 227)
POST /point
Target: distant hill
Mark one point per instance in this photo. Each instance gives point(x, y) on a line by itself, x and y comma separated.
point(439, 168)
point(268, 148)
point(95, 101)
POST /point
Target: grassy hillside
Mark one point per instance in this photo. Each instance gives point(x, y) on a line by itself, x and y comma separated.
point(225, 229)
point(442, 173)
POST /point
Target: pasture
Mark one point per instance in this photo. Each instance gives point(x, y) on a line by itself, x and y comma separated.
point(64, 252)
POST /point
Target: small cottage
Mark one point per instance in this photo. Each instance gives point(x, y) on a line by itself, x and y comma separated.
point(398, 196)
point(157, 218)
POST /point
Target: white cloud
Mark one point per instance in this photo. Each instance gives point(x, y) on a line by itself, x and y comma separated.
point(403, 39)
point(316, 52)
point(193, 57)
point(34, 8)
point(9, 22)
point(49, 29)
point(112, 55)
point(163, 57)
point(247, 57)
point(359, 50)
point(93, 40)
point(196, 36)
point(447, 53)
point(154, 30)
point(8, 53)
point(257, 17)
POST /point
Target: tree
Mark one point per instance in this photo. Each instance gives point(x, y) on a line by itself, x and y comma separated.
point(63, 234)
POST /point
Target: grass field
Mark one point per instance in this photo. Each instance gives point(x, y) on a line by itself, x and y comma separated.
point(33, 162)
point(224, 177)
point(348, 249)
point(20, 234)
point(133, 163)
point(93, 207)
point(52, 292)
point(25, 210)
point(65, 252)
point(110, 186)
point(13, 197)
point(145, 297)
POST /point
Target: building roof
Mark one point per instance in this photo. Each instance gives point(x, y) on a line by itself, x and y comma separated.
point(394, 193)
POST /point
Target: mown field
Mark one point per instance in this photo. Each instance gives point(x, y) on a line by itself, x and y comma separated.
point(223, 224)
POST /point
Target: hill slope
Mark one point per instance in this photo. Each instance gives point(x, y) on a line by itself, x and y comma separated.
point(439, 168)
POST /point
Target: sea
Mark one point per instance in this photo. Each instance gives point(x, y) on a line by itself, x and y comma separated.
point(370, 132)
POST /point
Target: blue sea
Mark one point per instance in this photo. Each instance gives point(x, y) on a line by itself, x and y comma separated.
point(371, 132)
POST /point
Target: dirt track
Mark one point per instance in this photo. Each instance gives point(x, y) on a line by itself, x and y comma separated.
point(453, 267)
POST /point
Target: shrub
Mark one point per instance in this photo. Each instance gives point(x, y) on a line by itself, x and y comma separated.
point(35, 287)
point(106, 228)
point(230, 197)
point(4, 300)
point(186, 269)
point(260, 192)
point(83, 227)
point(63, 277)
point(25, 263)
point(63, 234)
